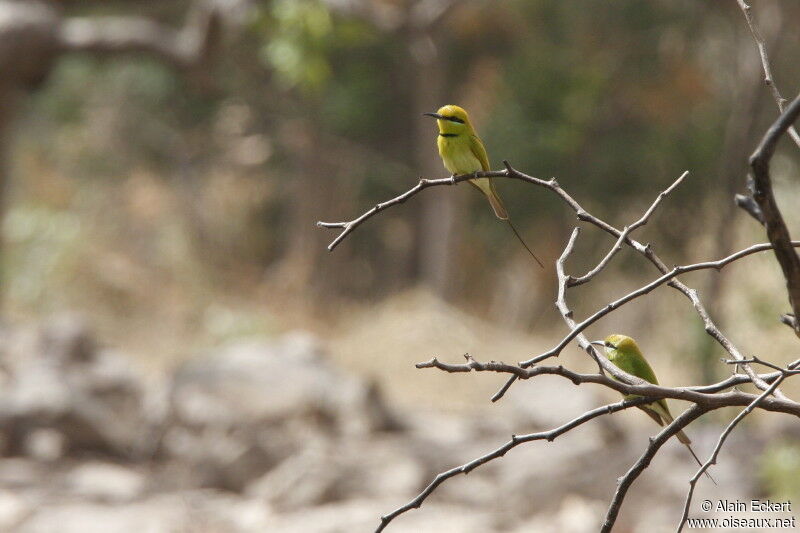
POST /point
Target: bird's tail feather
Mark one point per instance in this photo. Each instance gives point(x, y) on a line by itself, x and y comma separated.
point(497, 205)
point(521, 240)
point(698, 461)
point(684, 439)
point(486, 186)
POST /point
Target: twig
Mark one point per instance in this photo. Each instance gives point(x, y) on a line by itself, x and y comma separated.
point(561, 305)
point(582, 214)
point(713, 458)
point(563, 283)
point(350, 226)
point(574, 282)
point(644, 461)
point(705, 401)
point(647, 251)
point(707, 396)
point(769, 81)
point(678, 270)
point(515, 441)
point(790, 320)
point(777, 232)
point(788, 371)
point(750, 207)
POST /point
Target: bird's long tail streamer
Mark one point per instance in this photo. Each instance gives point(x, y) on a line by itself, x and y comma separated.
point(700, 463)
point(521, 240)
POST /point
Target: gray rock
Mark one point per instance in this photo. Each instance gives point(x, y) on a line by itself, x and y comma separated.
point(364, 515)
point(328, 470)
point(237, 413)
point(62, 395)
point(14, 509)
point(105, 482)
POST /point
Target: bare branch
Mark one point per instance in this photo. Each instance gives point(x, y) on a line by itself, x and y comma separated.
point(707, 396)
point(582, 214)
point(350, 226)
point(713, 458)
point(644, 461)
point(750, 207)
point(777, 232)
point(616, 304)
point(563, 283)
point(573, 282)
point(515, 441)
point(769, 81)
point(788, 371)
point(561, 305)
point(704, 398)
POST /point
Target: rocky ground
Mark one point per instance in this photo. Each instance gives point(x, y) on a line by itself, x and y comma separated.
point(270, 436)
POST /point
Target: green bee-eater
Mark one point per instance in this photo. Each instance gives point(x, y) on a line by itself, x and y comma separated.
point(626, 355)
point(462, 152)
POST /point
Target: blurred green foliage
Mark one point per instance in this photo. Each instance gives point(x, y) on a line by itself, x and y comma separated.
point(301, 32)
point(312, 114)
point(780, 470)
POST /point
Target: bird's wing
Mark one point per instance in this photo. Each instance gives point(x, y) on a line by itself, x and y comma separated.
point(667, 416)
point(652, 414)
point(639, 367)
point(479, 151)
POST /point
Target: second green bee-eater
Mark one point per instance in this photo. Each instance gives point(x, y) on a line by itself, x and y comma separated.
point(626, 355)
point(462, 152)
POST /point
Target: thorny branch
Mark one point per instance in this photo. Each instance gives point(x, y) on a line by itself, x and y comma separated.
point(638, 387)
point(644, 461)
point(616, 304)
point(713, 458)
point(583, 215)
point(777, 232)
point(704, 398)
point(515, 441)
point(573, 282)
point(565, 281)
point(769, 81)
point(761, 205)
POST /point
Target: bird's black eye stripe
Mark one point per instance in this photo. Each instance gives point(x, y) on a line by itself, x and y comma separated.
point(609, 345)
point(454, 119)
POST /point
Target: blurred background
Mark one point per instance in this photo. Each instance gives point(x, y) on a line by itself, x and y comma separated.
point(180, 352)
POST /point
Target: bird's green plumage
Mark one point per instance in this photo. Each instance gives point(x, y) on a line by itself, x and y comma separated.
point(626, 355)
point(462, 152)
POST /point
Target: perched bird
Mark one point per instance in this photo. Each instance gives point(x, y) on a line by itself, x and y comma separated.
point(462, 152)
point(625, 354)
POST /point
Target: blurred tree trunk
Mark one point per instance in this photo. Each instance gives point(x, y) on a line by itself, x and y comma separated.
point(27, 46)
point(313, 181)
point(741, 135)
point(437, 224)
point(7, 103)
point(34, 35)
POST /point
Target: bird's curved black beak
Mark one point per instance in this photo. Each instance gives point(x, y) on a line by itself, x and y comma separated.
point(598, 343)
point(435, 115)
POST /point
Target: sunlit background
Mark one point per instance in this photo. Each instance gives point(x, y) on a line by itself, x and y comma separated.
point(181, 351)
